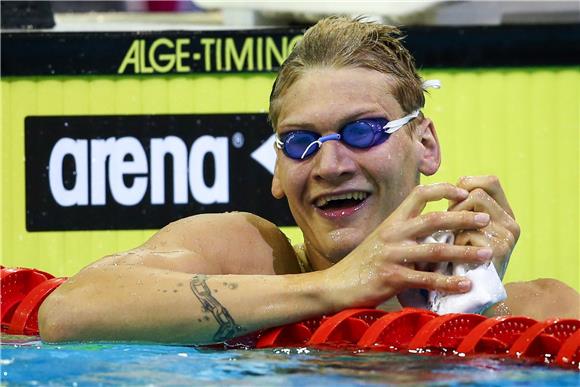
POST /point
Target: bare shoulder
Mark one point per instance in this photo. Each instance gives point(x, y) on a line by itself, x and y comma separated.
point(540, 299)
point(225, 243)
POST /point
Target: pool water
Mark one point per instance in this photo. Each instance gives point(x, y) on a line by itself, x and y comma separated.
point(28, 361)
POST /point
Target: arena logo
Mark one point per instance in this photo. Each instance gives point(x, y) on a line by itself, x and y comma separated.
point(144, 171)
point(102, 163)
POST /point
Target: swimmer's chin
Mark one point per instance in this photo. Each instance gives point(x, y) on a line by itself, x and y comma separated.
point(342, 242)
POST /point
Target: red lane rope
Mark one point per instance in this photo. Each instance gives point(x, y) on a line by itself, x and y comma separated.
point(445, 333)
point(22, 291)
point(15, 284)
point(25, 318)
point(553, 342)
point(495, 335)
point(394, 331)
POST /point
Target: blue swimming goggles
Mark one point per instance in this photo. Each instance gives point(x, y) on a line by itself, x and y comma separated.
point(361, 134)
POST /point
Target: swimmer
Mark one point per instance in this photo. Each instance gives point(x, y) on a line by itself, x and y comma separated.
point(353, 190)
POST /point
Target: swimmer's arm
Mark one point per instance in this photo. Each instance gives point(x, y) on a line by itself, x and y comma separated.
point(199, 280)
point(172, 307)
point(540, 299)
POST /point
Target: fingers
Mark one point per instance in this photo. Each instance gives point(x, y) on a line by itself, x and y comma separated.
point(440, 252)
point(502, 232)
point(480, 200)
point(501, 242)
point(435, 281)
point(414, 204)
point(489, 184)
point(472, 238)
point(427, 224)
point(498, 239)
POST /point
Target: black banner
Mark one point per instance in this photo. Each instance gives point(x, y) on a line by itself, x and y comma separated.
point(188, 52)
point(145, 53)
point(144, 171)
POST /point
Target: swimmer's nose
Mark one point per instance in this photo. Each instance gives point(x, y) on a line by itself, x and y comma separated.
point(333, 162)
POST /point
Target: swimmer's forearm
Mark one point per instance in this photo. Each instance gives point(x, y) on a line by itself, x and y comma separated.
point(233, 305)
point(173, 307)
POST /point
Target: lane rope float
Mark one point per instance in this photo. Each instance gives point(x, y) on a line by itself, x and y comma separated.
point(411, 330)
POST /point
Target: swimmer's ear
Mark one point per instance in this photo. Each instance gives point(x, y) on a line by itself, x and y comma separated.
point(428, 147)
point(277, 190)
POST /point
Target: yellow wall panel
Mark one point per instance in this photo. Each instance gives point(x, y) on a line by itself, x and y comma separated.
point(102, 96)
point(22, 101)
point(206, 100)
point(180, 95)
point(519, 124)
point(4, 160)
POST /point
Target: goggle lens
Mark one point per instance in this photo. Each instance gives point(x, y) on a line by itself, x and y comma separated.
point(295, 143)
point(362, 134)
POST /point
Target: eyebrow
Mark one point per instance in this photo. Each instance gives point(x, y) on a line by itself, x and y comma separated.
point(357, 115)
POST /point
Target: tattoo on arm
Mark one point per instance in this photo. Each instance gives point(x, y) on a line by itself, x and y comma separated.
point(227, 326)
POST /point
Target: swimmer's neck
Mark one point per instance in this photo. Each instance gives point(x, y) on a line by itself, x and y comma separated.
point(317, 260)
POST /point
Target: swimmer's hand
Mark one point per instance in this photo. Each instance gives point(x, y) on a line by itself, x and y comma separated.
point(386, 262)
point(501, 234)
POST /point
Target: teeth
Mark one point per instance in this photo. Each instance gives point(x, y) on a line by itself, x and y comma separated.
point(351, 195)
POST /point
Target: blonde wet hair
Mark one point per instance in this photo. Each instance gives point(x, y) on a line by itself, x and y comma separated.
point(339, 42)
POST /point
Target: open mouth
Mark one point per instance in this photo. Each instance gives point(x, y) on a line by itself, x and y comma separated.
point(344, 201)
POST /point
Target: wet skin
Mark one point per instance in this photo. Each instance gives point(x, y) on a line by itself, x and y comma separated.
point(323, 100)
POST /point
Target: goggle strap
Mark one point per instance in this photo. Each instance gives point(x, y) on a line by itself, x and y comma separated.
point(308, 148)
point(279, 142)
point(393, 126)
point(431, 83)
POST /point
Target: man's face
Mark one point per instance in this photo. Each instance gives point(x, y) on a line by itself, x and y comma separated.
point(374, 180)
